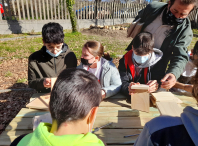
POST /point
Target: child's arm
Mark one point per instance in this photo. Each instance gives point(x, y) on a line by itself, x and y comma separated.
point(185, 87)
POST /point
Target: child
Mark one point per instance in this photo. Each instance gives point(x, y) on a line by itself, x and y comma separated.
point(94, 60)
point(184, 82)
point(54, 57)
point(173, 131)
point(136, 65)
point(72, 120)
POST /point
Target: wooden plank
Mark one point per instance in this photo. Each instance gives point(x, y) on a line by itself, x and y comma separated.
point(65, 9)
point(116, 136)
point(18, 8)
point(36, 10)
point(40, 12)
point(41, 102)
point(62, 9)
point(32, 12)
point(8, 136)
point(140, 99)
point(163, 96)
point(102, 112)
point(110, 136)
point(44, 9)
point(22, 3)
point(13, 4)
point(141, 86)
point(58, 10)
point(53, 80)
point(48, 17)
point(169, 108)
point(9, 10)
point(54, 9)
point(27, 7)
point(118, 122)
point(51, 9)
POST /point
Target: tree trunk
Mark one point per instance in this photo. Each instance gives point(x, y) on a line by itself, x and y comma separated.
point(73, 19)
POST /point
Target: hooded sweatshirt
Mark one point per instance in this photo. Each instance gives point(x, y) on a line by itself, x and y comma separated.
point(126, 76)
point(171, 131)
point(42, 137)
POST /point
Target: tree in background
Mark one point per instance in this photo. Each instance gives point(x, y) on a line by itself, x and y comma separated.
point(73, 19)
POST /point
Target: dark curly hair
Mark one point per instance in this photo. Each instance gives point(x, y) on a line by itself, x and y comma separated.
point(53, 33)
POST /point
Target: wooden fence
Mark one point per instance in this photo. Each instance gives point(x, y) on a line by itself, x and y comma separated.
point(57, 10)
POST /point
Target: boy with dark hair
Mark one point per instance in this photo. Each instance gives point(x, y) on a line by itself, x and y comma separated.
point(136, 65)
point(73, 105)
point(54, 57)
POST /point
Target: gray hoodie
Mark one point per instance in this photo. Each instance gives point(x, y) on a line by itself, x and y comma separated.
point(171, 131)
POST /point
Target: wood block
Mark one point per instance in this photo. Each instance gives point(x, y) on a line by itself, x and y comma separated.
point(140, 99)
point(169, 108)
point(41, 102)
point(165, 96)
point(141, 87)
point(53, 80)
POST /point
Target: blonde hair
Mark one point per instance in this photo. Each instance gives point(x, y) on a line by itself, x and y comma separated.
point(96, 49)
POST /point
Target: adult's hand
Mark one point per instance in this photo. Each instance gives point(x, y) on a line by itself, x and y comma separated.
point(168, 81)
point(153, 85)
point(131, 91)
point(47, 82)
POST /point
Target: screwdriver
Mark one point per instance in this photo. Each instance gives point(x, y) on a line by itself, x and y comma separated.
point(98, 128)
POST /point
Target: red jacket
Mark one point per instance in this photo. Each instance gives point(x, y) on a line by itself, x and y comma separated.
point(1, 8)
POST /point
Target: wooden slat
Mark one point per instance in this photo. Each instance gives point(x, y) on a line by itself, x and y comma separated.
point(162, 96)
point(22, 3)
point(110, 136)
point(169, 108)
point(14, 9)
point(51, 9)
point(62, 9)
point(18, 8)
point(65, 6)
point(8, 136)
point(102, 111)
point(58, 10)
point(43, 1)
point(118, 122)
point(32, 12)
point(48, 17)
point(55, 9)
point(40, 12)
point(9, 10)
point(27, 7)
point(116, 136)
point(36, 10)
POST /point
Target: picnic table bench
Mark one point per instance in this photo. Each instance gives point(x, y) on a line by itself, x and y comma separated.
point(126, 121)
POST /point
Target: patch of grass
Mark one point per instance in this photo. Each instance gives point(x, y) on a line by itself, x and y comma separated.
point(192, 44)
point(8, 74)
point(195, 31)
point(23, 80)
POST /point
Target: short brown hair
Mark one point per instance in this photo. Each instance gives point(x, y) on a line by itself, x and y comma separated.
point(143, 43)
point(96, 49)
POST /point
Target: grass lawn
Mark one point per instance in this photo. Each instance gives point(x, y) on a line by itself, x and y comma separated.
point(24, 47)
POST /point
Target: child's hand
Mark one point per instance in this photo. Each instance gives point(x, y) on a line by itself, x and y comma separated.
point(131, 91)
point(47, 82)
point(153, 85)
point(103, 94)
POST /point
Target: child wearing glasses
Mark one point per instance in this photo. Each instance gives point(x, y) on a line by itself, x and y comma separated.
point(51, 59)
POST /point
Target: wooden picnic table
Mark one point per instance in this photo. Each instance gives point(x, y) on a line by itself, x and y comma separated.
point(126, 121)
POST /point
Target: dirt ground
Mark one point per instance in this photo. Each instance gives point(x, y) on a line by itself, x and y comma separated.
point(15, 70)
